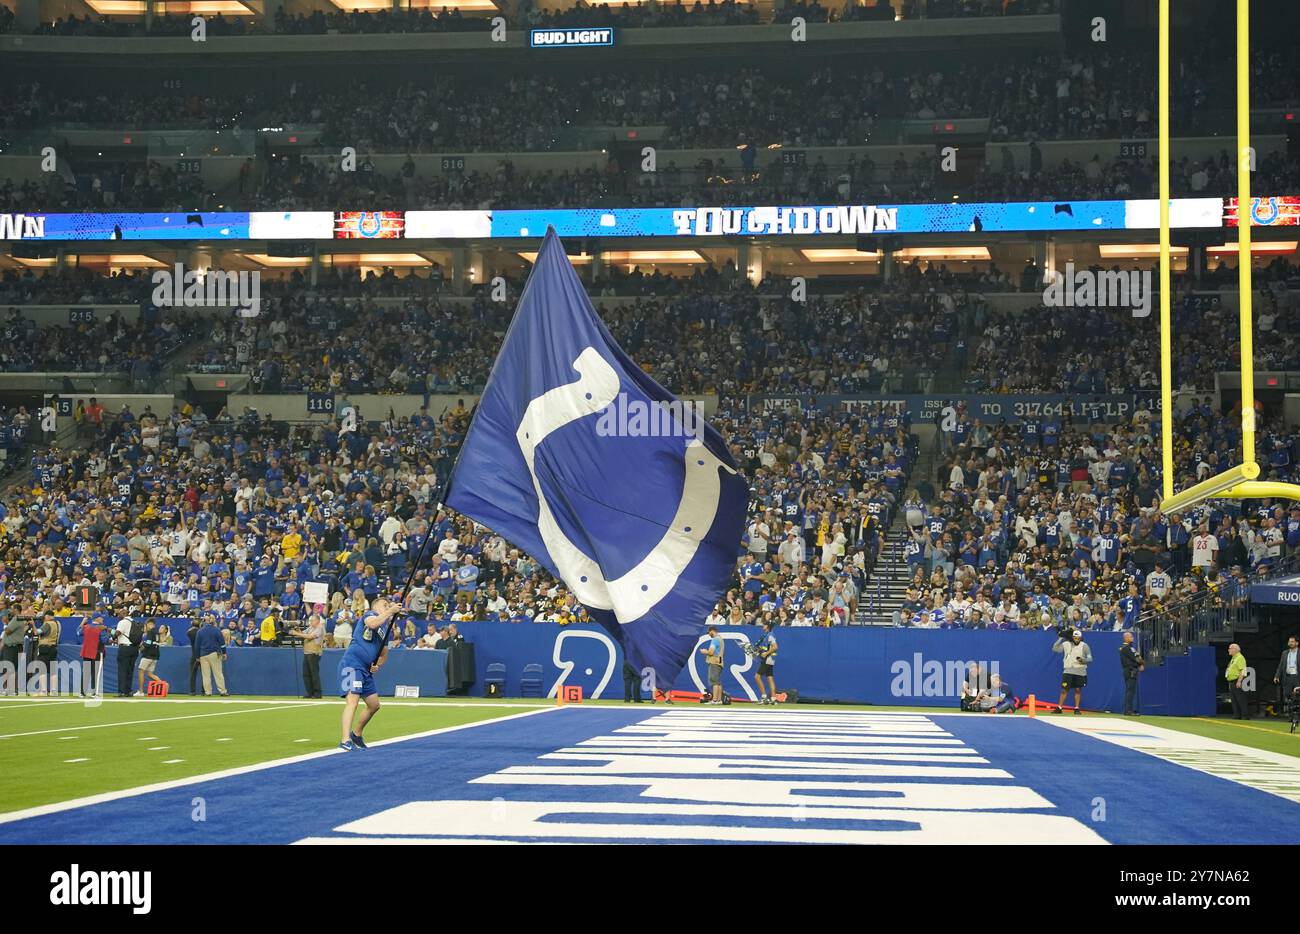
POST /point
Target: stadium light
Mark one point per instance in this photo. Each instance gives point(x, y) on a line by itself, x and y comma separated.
point(1218, 485)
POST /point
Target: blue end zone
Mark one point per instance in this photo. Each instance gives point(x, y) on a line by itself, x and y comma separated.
point(1147, 800)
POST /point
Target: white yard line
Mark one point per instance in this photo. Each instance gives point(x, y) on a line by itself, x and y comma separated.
point(243, 770)
point(105, 726)
point(28, 701)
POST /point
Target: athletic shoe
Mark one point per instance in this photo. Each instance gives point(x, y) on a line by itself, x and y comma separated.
point(1059, 710)
point(138, 694)
point(358, 741)
point(346, 746)
point(1078, 712)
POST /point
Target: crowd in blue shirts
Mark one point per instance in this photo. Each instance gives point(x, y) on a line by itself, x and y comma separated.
point(1052, 522)
point(1032, 524)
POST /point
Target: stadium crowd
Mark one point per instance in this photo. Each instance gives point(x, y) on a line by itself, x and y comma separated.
point(721, 339)
point(114, 344)
point(529, 15)
point(1091, 95)
point(1053, 522)
point(1077, 350)
point(1042, 524)
point(403, 334)
point(177, 515)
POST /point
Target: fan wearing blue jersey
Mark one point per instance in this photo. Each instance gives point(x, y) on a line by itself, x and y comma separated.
point(364, 656)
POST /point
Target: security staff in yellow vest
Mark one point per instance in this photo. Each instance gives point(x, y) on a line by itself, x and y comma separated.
point(1236, 677)
point(313, 643)
point(47, 653)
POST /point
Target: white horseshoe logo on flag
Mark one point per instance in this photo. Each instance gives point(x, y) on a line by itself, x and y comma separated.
point(632, 595)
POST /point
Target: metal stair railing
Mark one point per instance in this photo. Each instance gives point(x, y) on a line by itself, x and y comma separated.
point(1211, 615)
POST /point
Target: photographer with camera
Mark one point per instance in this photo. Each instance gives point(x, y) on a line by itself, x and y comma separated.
point(1075, 659)
point(46, 632)
point(765, 651)
point(997, 697)
point(313, 644)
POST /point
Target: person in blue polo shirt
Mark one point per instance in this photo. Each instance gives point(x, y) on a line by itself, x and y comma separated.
point(364, 656)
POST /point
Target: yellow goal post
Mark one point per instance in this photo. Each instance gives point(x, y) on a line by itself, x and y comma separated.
point(1238, 482)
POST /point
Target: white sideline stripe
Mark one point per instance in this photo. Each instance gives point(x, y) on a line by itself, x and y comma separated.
point(158, 748)
point(1261, 769)
point(330, 702)
point(108, 796)
point(104, 726)
point(171, 761)
point(75, 760)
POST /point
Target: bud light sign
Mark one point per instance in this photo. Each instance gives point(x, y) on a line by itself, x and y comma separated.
point(539, 38)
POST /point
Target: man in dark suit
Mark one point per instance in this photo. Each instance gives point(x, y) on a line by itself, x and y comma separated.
point(1131, 661)
point(193, 633)
point(1288, 669)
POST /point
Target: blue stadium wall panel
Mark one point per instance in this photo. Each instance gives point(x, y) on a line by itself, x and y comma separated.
point(921, 667)
point(865, 665)
point(277, 672)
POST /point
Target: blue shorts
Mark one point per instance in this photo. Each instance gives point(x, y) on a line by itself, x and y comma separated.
point(355, 679)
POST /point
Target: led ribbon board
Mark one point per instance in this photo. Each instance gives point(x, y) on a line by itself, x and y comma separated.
point(768, 221)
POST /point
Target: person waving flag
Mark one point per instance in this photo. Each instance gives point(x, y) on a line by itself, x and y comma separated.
point(616, 487)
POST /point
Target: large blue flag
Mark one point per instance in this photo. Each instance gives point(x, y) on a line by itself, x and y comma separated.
point(582, 460)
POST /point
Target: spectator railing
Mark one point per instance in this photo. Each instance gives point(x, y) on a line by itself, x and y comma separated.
point(1211, 615)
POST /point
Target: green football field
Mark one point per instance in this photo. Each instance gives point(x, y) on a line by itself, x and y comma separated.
point(54, 750)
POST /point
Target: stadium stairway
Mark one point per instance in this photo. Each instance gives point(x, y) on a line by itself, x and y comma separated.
point(887, 587)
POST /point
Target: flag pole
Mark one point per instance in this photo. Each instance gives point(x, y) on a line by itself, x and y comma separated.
point(446, 485)
point(437, 499)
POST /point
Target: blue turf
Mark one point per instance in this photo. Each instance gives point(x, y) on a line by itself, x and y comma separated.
point(1147, 800)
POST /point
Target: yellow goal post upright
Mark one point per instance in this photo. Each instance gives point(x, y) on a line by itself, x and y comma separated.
point(1237, 482)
